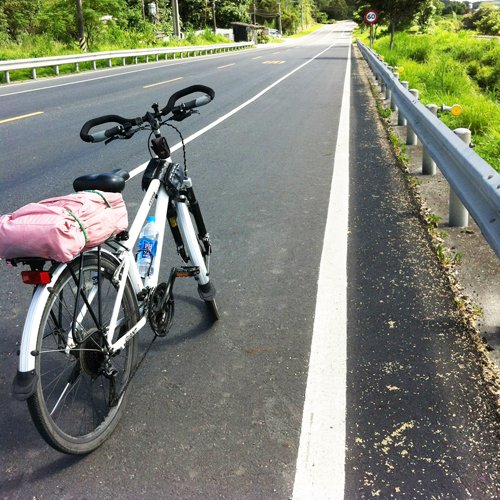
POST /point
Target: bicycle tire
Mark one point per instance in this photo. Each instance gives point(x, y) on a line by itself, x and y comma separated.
point(76, 406)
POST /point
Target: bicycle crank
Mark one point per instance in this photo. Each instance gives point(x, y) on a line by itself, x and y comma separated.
point(161, 301)
point(161, 309)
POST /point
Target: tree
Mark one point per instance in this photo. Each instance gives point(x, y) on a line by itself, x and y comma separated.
point(459, 8)
point(230, 11)
point(20, 17)
point(397, 14)
point(486, 20)
point(335, 9)
point(426, 12)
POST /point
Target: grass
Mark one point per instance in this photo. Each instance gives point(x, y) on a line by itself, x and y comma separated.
point(44, 46)
point(307, 31)
point(454, 67)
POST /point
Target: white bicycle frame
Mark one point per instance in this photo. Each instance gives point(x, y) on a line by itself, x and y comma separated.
point(127, 269)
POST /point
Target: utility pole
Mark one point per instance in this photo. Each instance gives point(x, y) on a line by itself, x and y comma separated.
point(279, 17)
point(175, 18)
point(81, 27)
point(213, 15)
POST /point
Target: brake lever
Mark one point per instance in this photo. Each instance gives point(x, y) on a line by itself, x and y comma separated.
point(180, 115)
point(111, 139)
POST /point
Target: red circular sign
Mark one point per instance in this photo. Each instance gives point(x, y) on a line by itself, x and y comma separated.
point(371, 17)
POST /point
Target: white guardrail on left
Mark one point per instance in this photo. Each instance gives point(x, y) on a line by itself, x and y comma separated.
point(472, 179)
point(123, 55)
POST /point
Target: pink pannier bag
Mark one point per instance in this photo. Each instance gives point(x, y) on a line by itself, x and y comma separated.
point(60, 228)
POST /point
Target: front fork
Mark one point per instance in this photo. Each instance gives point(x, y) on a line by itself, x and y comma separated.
point(184, 232)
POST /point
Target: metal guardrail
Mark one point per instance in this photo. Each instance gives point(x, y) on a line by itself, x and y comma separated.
point(472, 179)
point(93, 57)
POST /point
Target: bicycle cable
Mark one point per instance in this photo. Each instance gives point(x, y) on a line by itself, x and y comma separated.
point(183, 145)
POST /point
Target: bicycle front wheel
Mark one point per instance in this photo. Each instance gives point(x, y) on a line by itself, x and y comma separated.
point(81, 391)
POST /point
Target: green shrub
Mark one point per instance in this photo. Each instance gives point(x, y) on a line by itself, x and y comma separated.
point(449, 68)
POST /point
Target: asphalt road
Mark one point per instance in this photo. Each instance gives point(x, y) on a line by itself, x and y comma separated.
point(218, 411)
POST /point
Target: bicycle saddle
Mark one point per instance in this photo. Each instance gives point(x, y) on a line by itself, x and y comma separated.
point(111, 182)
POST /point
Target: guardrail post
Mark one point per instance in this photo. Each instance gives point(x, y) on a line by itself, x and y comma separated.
point(77, 67)
point(56, 69)
point(393, 100)
point(459, 217)
point(428, 164)
point(411, 137)
point(7, 76)
point(123, 61)
point(401, 119)
point(33, 73)
point(94, 65)
point(110, 64)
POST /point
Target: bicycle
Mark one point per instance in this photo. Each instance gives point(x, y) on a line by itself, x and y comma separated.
point(79, 344)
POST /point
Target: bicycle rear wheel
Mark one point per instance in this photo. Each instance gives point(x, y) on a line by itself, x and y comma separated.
point(80, 393)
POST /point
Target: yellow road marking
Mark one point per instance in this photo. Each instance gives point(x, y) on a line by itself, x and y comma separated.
point(163, 83)
point(21, 117)
point(226, 66)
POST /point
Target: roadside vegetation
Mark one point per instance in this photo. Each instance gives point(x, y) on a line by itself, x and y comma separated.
point(28, 28)
point(45, 28)
point(452, 65)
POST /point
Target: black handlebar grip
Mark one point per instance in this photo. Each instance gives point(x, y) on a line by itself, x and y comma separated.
point(104, 134)
point(209, 95)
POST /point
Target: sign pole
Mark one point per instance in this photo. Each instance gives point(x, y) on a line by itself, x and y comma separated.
point(371, 18)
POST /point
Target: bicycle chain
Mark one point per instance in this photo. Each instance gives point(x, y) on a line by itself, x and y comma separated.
point(115, 400)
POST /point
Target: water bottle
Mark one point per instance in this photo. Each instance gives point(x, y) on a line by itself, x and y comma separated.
point(148, 240)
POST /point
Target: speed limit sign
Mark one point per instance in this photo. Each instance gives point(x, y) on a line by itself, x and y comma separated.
point(371, 17)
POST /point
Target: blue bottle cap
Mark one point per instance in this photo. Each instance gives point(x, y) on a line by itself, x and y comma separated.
point(151, 218)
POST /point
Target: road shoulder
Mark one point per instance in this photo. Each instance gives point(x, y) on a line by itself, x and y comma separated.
point(421, 419)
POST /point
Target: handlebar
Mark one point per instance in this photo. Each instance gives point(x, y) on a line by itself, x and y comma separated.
point(103, 134)
point(125, 125)
point(170, 107)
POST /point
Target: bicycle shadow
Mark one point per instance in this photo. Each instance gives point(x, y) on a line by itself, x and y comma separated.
point(14, 483)
point(195, 322)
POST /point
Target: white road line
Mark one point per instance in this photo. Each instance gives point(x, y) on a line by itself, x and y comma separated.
point(200, 132)
point(163, 83)
point(320, 462)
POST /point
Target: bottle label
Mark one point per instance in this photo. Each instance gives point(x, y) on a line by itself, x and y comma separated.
point(147, 247)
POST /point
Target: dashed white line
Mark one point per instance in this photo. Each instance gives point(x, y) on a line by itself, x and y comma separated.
point(163, 83)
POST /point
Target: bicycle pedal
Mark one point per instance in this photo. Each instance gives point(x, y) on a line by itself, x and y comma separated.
point(187, 272)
